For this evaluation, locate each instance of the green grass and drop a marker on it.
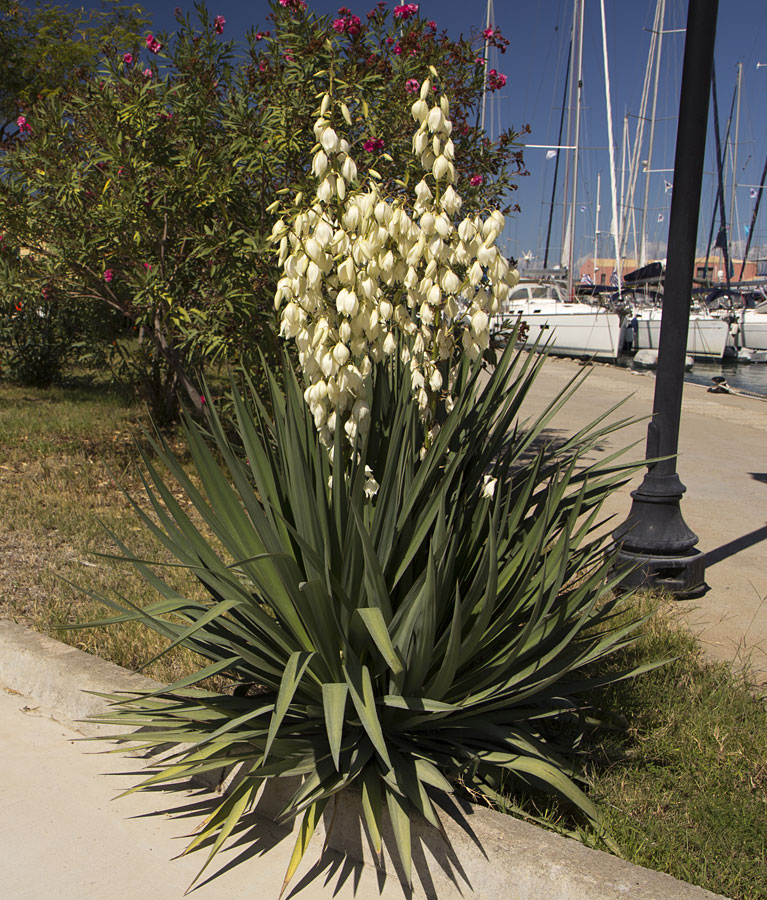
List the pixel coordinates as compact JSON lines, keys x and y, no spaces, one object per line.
{"x":682,"y":775}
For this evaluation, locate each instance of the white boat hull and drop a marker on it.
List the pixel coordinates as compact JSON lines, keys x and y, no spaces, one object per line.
{"x":706,"y":338}
{"x":597,"y":335}
{"x":753,"y":330}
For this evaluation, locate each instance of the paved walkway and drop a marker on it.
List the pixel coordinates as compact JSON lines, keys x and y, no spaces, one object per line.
{"x":723,"y":464}
{"x":64,"y":836}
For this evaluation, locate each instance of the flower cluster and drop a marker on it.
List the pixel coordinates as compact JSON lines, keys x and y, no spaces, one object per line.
{"x":128,"y":59}
{"x":293,"y":4}
{"x":495,"y":80}
{"x":412,"y":85}
{"x":347,"y":23}
{"x":405,"y":11}
{"x":365,"y":277}
{"x":23,"y":125}
{"x":371,"y":145}
{"x":218,"y":24}
{"x":152,"y":44}
{"x":494,"y":38}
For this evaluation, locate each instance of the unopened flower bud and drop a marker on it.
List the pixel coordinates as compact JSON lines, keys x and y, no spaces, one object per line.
{"x":329,"y":140}
{"x":435,"y":119}
{"x":419,"y":110}
{"x":341,"y":353}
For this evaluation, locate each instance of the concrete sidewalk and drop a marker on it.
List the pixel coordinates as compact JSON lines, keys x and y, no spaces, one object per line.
{"x":723,"y":464}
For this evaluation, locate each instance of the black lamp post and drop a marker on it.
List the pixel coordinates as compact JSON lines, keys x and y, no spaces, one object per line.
{"x":655,"y":540}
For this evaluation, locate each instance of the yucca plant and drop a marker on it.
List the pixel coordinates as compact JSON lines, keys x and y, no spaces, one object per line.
{"x":405,"y":641}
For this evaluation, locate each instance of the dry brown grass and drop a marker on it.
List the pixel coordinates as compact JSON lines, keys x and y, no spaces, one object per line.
{"x":66,"y":457}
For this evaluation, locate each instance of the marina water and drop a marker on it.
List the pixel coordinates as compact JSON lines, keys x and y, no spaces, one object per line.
{"x":747,"y":377}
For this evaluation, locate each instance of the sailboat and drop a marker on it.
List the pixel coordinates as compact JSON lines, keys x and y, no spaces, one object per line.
{"x":550,"y":315}
{"x":707,"y":335}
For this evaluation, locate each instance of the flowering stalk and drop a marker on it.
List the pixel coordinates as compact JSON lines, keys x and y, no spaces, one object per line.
{"x":366,"y":276}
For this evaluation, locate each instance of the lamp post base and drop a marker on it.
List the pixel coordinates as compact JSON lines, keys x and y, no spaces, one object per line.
{"x":683,"y":575}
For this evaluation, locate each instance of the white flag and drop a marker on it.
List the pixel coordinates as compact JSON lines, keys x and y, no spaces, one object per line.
{"x":667,"y":185}
{"x":660,"y":217}
{"x":752,"y":193}
{"x":550,"y":154}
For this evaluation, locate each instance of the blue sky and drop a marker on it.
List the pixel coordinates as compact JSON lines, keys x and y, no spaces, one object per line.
{"x":535,"y":64}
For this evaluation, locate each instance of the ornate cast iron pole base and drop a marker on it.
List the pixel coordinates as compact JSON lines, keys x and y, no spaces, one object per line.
{"x":657,"y":546}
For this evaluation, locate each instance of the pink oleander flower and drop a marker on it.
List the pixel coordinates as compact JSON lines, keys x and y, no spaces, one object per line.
{"x":218,"y":24}
{"x":202,"y":398}
{"x":260,"y":35}
{"x":353,"y":25}
{"x":339,"y":25}
{"x":389,"y":40}
{"x":108,"y":275}
{"x":432,"y":24}
{"x":476,"y":180}
{"x":288,"y":57}
{"x":152,"y":44}
{"x":373,"y":144}
{"x":397,"y":49}
{"x":128,"y":59}
{"x":293,"y":4}
{"x":495,"y":80}
{"x":488,"y":33}
{"x":24,"y":126}
{"x":479,"y":61}
{"x":147,"y":73}
{"x":262,"y":66}
{"x":412,"y":85}
{"x":148,"y":267}
{"x":405,"y":11}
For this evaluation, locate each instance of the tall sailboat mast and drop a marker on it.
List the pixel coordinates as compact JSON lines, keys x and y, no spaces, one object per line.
{"x":489,"y":18}
{"x":596,"y":230}
{"x":648,"y":169}
{"x":629,"y":209}
{"x":734,"y":222}
{"x":559,"y":147}
{"x":578,"y":99}
{"x":566,"y":207}
{"x":611,"y":146}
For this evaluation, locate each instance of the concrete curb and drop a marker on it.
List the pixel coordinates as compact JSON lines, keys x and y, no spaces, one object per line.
{"x":488,"y":854}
